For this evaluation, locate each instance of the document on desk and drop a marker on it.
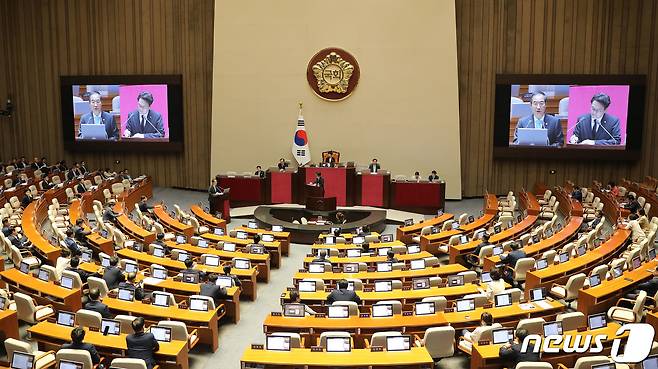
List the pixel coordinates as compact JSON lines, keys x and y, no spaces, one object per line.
{"x":152,"y":281}
{"x":543,"y":304}
{"x":527,"y":306}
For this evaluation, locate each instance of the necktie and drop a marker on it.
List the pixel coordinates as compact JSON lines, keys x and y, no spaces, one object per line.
{"x":143,"y":124}
{"x":596,"y":128}
{"x":538,"y":123}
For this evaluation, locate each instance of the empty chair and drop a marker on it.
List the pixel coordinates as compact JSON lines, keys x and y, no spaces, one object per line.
{"x":379,"y":338}
{"x":319,"y":283}
{"x":439,"y":342}
{"x":125,"y":323}
{"x":198,"y":228}
{"x":42,"y":359}
{"x":532,"y":325}
{"x":353,"y":307}
{"x":572,"y":321}
{"x":128,"y":363}
{"x":324,"y":335}
{"x":479,"y":299}
{"x":79,"y":356}
{"x":211,"y":302}
{"x":469,"y":276}
{"x":28,"y":311}
{"x":88,"y":318}
{"x":440,"y":302}
{"x":569,"y":292}
{"x":625,"y":314}
{"x":357,"y":283}
{"x":179,"y":332}
{"x":423,"y":232}
{"x":463,"y":219}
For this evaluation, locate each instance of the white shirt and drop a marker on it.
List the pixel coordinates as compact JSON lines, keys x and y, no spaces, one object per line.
{"x":495,"y":287}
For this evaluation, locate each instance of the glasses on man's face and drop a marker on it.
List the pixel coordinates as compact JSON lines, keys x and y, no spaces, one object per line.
{"x":538,"y":103}
{"x":95,"y":102}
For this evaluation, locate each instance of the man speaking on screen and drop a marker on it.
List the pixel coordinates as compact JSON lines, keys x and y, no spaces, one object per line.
{"x":98,"y":116}
{"x":539,"y":120}
{"x":144,"y":122}
{"x":598,"y":127}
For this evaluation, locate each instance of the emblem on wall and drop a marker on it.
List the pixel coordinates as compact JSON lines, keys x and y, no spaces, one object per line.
{"x":333,"y":74}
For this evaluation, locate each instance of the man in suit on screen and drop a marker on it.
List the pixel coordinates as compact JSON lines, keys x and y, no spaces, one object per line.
{"x":98,"y":116}
{"x":144,"y":122}
{"x":598,"y":127}
{"x":540,"y":120}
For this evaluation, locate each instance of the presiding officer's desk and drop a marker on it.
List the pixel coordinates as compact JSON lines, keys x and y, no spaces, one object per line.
{"x":370,"y":260}
{"x":45,"y":293}
{"x":370,"y":277}
{"x":600,"y":298}
{"x":281,"y":237}
{"x":487,"y":356}
{"x":417,"y":357}
{"x":406,"y":233}
{"x":273,"y":248}
{"x":51,"y":336}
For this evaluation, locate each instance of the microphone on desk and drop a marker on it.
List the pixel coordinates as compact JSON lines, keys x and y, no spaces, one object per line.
{"x":149,"y":122}
{"x":129,"y":116}
{"x":608,"y":132}
{"x":574,"y":127}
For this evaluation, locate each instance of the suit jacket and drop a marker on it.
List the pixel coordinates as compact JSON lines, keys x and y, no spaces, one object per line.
{"x":319,"y":181}
{"x":109,"y":215}
{"x":72,"y":245}
{"x":343,"y":295}
{"x":46,"y":185}
{"x":144,"y":207}
{"x":111,"y":276}
{"x":142,"y":346}
{"x":555,"y":135}
{"x":433,"y":178}
{"x":281,"y":166}
{"x":212,"y":290}
{"x":513,"y":355}
{"x":138,"y":291}
{"x":107,"y":119}
{"x":513,"y":257}
{"x":152,"y":130}
{"x":608,"y":133}
{"x":95,"y":358}
{"x":81,"y":188}
{"x":650,"y":286}
{"x":99,"y":307}
{"x":80,"y":233}
{"x":374,"y":167}
{"x":260,"y":173}
{"x":27,"y":199}
{"x":7,"y":231}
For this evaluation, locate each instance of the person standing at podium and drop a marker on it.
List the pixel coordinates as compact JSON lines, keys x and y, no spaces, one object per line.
{"x":374,"y":166}
{"x":214,"y":189}
{"x":319,"y":181}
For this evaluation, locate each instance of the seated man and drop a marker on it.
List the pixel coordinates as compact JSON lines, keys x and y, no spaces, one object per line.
{"x":77,"y":343}
{"x":6,"y":228}
{"x":511,"y":353}
{"x":433,"y":177}
{"x":476,"y":251}
{"x":189,"y":267}
{"x":236,"y":280}
{"x":342,"y":294}
{"x":374,"y":166}
{"x":71,"y":244}
{"x":282,"y":164}
{"x":260,"y":173}
{"x":96,"y":305}
{"x":510,"y":260}
{"x":74,"y":267}
{"x":142,"y":345}
{"x":110,"y":215}
{"x":130,"y":284}
{"x":390,"y":257}
{"x":112,"y":274}
{"x":80,"y":232}
{"x":322,"y":257}
{"x":210,"y":288}
{"x":144,"y":207}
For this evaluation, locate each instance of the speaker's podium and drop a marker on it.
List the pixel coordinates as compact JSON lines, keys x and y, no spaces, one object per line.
{"x":315,"y":200}
{"x":220,"y":203}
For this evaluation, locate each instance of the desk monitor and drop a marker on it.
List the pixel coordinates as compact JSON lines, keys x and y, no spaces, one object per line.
{"x":353,"y":253}
{"x":497,"y":228}
{"x":497,"y":250}
{"x":252,"y":225}
{"x":398,"y":343}
{"x":486,"y":277}
{"x":384,"y":267}
{"x":413,"y":249}
{"x":350,"y":285}
{"x":242,"y":263}
{"x":465,"y":305}
{"x":306,"y":286}
{"x":383,"y":286}
{"x":224,"y":281}
{"x":316,"y":268}
{"x":202,"y":243}
{"x":3,"y":303}
{"x":650,"y":362}
{"x":502,"y":335}
{"x":582,"y":249}
{"x":198,"y":304}
{"x":22,"y":360}
{"x":382,"y":310}
{"x":24,"y":267}
{"x":455,"y":280}
{"x":434,"y":230}
{"x":358,"y":240}
{"x":652,"y":254}
{"x":334,"y":230}
{"x":387,"y":237}
{"x":338,"y":311}
{"x":69,"y":364}
{"x":182,"y":256}
{"x":535,"y":239}
{"x":229,"y":246}
{"x":463,"y":239}
{"x":131,"y":267}
{"x":408,"y":222}
{"x":503,"y":299}
{"x":383,"y":251}
{"x":66,"y":282}
{"x":277,"y":228}
{"x":277,"y":343}
{"x":424,"y":308}
{"x":558,"y":226}
{"x":66,"y":318}
{"x":86,"y":256}
{"x":339,"y":344}
{"x":212,"y":260}
{"x":294,"y":310}
{"x":159,"y":273}
{"x":43,"y":275}
{"x":267,"y":238}
{"x":180,"y":239}
{"x":218,"y":231}
{"x":552,"y":329}
{"x":110,"y":326}
{"x":160,"y":299}
{"x":455,"y":225}
{"x":158,"y":251}
{"x":604,"y":366}
{"x":617,"y":271}
{"x":162,"y":334}
{"x":549,"y":233}
{"x":594,"y":280}
{"x":421,"y":283}
{"x":350,"y":268}
{"x":417,"y":264}
{"x":256,"y":249}
{"x":537,"y":294}
{"x":541,"y":264}
{"x":126,"y":294}
{"x":636,"y":262}
{"x":330,"y":240}
{"x":564,"y":257}
{"x":240,"y":235}
{"x":189,"y":277}
{"x":91,"y":132}
{"x":596,"y":321}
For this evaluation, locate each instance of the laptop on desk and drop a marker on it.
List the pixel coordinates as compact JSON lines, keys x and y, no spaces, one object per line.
{"x":532,"y":137}
{"x":93,"y":132}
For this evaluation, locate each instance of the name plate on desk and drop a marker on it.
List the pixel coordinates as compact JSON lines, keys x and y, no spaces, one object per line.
{"x":448,"y":310}
{"x":276,"y":313}
{"x":483,"y":343}
{"x":320,"y":315}
{"x":364,"y":315}
{"x":406,"y":288}
{"x":407,"y":313}
{"x":582,"y":329}
{"x":316,"y":349}
{"x":376,"y":349}
{"x":255,"y":346}
{"x":288,"y":289}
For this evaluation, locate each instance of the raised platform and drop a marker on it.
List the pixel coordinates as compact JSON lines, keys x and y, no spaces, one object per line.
{"x":267,"y":216}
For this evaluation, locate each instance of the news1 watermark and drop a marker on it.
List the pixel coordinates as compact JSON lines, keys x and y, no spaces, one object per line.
{"x":638,"y":343}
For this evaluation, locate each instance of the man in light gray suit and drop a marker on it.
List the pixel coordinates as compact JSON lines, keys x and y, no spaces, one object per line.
{"x":98,"y":116}
{"x":539,"y":119}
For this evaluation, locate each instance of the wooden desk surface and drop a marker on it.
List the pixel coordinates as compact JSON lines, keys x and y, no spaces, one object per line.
{"x":347,"y":246}
{"x":34,"y":283}
{"x":9,"y":324}
{"x":29,"y":224}
{"x":207,"y":218}
{"x":282,"y":235}
{"x":348,"y":236}
{"x":406,"y":233}
{"x":139,"y":308}
{"x":417,"y":356}
{"x":105,"y":245}
{"x":371,"y":259}
{"x":404,"y":275}
{"x":228,"y":255}
{"x":130,"y":227}
{"x":170,"y":222}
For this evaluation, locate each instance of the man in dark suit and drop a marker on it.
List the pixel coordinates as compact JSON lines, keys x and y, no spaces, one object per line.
{"x":6,"y":228}
{"x":282,"y":164}
{"x":374,"y":166}
{"x":27,"y":199}
{"x":110,"y":215}
{"x":144,"y":207}
{"x":22,"y":164}
{"x":96,"y":305}
{"x":598,"y":217}
{"x":189,"y":268}
{"x":510,"y":260}
{"x":214,"y":189}
{"x":227,"y":272}
{"x":433,"y":177}
{"x":46,"y":184}
{"x":83,"y":166}
{"x":98,"y":116}
{"x":511,"y":353}
{"x":539,"y":120}
{"x":79,"y":232}
{"x":319,"y":181}
{"x":144,"y":122}
{"x":330,"y":160}
{"x":142,"y":345}
{"x":17,"y":240}
{"x":80,"y":188}
{"x":77,"y":343}
{"x":485,"y":242}
{"x":130,"y":284}
{"x":322,"y":257}
{"x":598,"y":127}
{"x":259,"y":172}
{"x":73,"y":266}
{"x":70,"y":242}
{"x":112,"y":274}
{"x":650,"y":287}
{"x":210,"y":288}
{"x":342,"y":294}
{"x":632,"y":204}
